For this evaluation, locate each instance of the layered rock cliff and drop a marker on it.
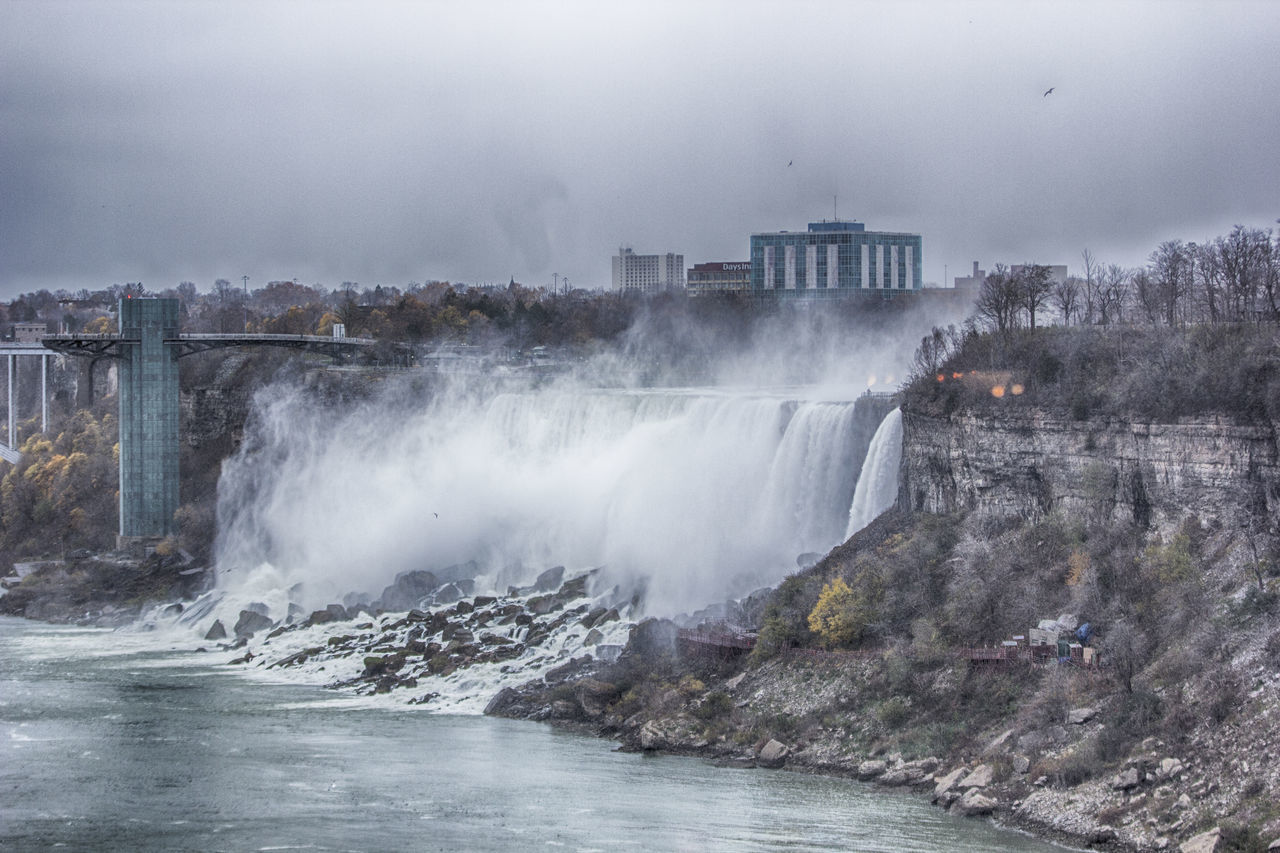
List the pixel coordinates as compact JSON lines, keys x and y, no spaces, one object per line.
{"x":1028,"y":462}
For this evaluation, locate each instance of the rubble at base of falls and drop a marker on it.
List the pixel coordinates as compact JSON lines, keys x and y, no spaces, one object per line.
{"x":426,"y":651}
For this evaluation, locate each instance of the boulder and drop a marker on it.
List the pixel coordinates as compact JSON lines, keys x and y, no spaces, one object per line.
{"x":1031,"y":741}
{"x":652,"y":638}
{"x":950,"y":781}
{"x":1126,"y":780}
{"x":909,"y":772}
{"x":998,"y":744}
{"x":732,"y":683}
{"x":594,"y":696}
{"x":217,"y":631}
{"x":972,"y":803}
{"x":408,"y":590}
{"x":506,"y":699}
{"x":320,"y":617}
{"x":1205,"y":842}
{"x":338,"y":611}
{"x":773,"y":754}
{"x":249,"y":623}
{"x":905,"y":775}
{"x":549,"y":580}
{"x":448,"y":594}
{"x":1080,"y":716}
{"x":872,"y":768}
{"x":541,"y":605}
{"x":593,"y":616}
{"x":563,"y":709}
{"x":651,"y":736}
{"x":593,"y":637}
{"x":1170,"y":768}
{"x":980,"y":777}
{"x":1021,"y":764}
{"x":174,"y":609}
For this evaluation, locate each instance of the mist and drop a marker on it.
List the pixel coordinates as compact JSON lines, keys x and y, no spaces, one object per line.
{"x":683,"y":494}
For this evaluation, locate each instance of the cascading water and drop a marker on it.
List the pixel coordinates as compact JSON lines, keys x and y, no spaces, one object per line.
{"x":878,"y":484}
{"x":695,"y":495}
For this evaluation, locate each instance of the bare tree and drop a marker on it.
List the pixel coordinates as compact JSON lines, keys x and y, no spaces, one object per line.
{"x":1034,"y":286}
{"x":1167,"y":283}
{"x":1091,"y":294}
{"x":1113,"y":293}
{"x":934,"y":350}
{"x":1066,"y":298}
{"x":999,"y":301}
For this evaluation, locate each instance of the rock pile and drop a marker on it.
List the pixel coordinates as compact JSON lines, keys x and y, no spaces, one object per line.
{"x":375,"y":652}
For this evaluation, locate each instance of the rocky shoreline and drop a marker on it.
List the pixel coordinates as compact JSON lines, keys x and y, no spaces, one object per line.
{"x":583,"y":665}
{"x":1155,"y":799}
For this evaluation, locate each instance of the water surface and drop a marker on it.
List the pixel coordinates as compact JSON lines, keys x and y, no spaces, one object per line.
{"x":111,"y":743}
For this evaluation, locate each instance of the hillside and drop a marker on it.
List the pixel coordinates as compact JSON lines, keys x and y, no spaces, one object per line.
{"x":1153,"y":523}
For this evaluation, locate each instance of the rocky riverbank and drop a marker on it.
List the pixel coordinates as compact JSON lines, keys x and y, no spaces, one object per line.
{"x":1167,"y":747}
{"x":810,"y":714}
{"x":102,"y":590}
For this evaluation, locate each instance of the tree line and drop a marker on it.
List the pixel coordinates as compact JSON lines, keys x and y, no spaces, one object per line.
{"x":1233,"y":278}
{"x":438,"y":311}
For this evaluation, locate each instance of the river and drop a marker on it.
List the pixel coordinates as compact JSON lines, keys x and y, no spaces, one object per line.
{"x":120,"y":741}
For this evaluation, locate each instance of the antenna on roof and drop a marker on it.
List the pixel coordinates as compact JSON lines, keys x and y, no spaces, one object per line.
{"x":835,"y":214}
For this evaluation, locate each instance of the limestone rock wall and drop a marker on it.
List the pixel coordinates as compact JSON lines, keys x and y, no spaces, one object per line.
{"x":1026,"y":463}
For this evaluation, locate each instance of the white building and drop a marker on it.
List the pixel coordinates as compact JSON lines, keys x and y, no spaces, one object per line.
{"x":634,"y":273}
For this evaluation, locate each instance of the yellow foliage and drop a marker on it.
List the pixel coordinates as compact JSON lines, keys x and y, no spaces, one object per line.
{"x":325,"y":325}
{"x":1077,"y":565}
{"x":832,"y":617}
{"x":99,"y":326}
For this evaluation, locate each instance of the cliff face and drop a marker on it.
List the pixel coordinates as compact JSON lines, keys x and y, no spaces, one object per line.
{"x":1027,"y":463}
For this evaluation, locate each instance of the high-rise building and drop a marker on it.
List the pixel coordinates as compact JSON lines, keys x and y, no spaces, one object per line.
{"x":647,"y":274}
{"x":834,"y":259}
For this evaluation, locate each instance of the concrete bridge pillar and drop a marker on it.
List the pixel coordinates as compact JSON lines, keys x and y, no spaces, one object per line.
{"x":149,"y":448}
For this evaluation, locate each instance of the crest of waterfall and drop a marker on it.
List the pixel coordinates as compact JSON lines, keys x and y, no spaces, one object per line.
{"x":695,"y":494}
{"x":878,"y":484}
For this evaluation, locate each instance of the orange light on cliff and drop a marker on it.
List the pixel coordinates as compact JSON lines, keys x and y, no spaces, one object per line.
{"x":1016,"y":390}
{"x":941,"y":378}
{"x":957,"y":375}
{"x":997,"y":391}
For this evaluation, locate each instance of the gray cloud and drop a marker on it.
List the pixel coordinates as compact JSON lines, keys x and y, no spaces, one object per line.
{"x":384,"y":142}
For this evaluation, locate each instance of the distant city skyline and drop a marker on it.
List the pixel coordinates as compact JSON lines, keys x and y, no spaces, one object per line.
{"x":385,"y":143}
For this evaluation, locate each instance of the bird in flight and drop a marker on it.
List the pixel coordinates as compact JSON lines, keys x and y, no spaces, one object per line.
{"x":789,"y":162}
{"x":1049,"y":92}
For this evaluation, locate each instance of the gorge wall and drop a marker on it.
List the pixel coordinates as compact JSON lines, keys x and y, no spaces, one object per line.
{"x":1026,"y":463}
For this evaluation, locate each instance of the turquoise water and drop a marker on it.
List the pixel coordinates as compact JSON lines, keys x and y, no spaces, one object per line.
{"x":110,"y":743}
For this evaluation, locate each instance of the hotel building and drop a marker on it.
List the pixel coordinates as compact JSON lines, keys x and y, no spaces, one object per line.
{"x":834,"y":259}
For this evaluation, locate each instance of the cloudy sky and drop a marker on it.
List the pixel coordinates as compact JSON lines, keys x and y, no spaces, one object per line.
{"x":385,"y":143}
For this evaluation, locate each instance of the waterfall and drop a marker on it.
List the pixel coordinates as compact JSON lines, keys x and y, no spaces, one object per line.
{"x":695,"y":494}
{"x":878,"y":483}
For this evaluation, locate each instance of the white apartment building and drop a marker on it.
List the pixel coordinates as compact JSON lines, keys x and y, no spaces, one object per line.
{"x":647,"y":274}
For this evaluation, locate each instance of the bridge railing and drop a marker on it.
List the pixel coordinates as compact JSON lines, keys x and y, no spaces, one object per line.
{"x":260,"y":336}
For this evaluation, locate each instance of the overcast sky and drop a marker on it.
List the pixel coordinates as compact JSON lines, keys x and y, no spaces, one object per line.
{"x":385,"y":143}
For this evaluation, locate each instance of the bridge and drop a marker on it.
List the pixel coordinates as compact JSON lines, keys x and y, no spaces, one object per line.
{"x":147,"y":350}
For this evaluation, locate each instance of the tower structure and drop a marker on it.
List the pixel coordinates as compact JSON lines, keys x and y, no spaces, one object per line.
{"x":148,"y":418}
